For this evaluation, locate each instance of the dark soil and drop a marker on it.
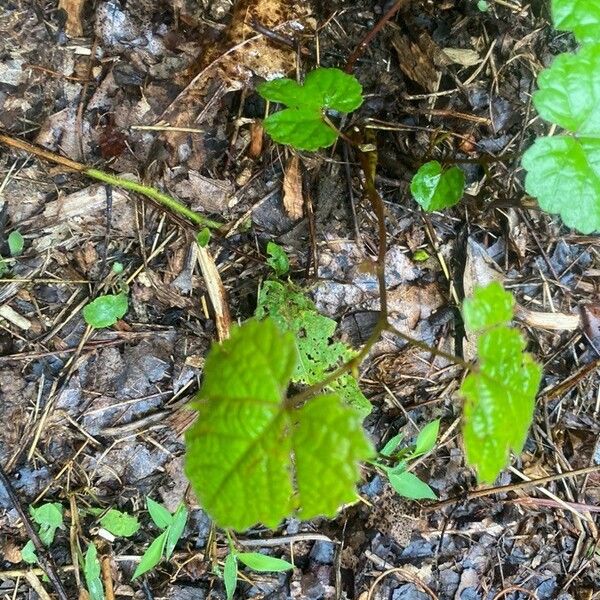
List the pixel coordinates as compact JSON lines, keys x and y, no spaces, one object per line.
{"x":94,"y":419}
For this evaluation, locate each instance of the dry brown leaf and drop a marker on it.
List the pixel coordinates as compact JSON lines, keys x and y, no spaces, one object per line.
{"x":292,"y":189}
{"x":74,"y":10}
{"x":256,"y":139}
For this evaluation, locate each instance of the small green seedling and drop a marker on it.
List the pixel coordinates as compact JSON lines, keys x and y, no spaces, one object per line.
{"x":563,"y":170}
{"x":203,"y":237}
{"x":304,"y":124}
{"x":483,"y":6}
{"x":172,"y":525}
{"x":91,"y":572}
{"x":500,"y":393}
{"x":16,"y":243}
{"x":106,"y":310}
{"x":253,"y":560}
{"x":253,"y":455}
{"x":435,"y":187}
{"x":278,"y":260}
{"x":49,"y":517}
{"x":394,"y":462}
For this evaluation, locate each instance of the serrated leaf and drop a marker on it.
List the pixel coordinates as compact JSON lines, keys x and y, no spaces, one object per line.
{"x":278,"y":259}
{"x":159,"y":514}
{"x":427,"y":438}
{"x":293,"y":311}
{"x":16,"y":243}
{"x":582,"y":17}
{"x":91,"y":572}
{"x":230,"y":575}
{"x":120,"y":523}
{"x":499,"y":401}
{"x":434,"y":187}
{"x":408,"y":485}
{"x":105,"y":311}
{"x":263,"y":563}
{"x":239,"y":451}
{"x":334,"y":89}
{"x":561,"y":169}
{"x":49,"y":517}
{"x":489,"y":306}
{"x":569,"y":91}
{"x":175,"y":530}
{"x":303,"y":128}
{"x":152,"y":556}
{"x":302,"y":124}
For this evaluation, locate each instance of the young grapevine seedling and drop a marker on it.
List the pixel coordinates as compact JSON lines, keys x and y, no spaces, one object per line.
{"x":563,"y":171}
{"x":304,"y":124}
{"x":435,"y":187}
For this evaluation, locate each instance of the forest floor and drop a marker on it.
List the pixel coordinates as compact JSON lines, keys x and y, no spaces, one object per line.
{"x":94,"y":418}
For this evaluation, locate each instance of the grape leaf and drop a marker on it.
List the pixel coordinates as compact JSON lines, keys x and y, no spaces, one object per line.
{"x":567,"y":167}
{"x":582,"y":17}
{"x":490,"y":305}
{"x":500,"y":393}
{"x":250,"y":453}
{"x":302,"y":124}
{"x":302,"y":128}
{"x":105,"y":311}
{"x":434,"y":187}
{"x":293,"y":311}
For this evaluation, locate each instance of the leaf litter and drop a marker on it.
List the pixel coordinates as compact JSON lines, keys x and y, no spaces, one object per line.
{"x":108,"y":411}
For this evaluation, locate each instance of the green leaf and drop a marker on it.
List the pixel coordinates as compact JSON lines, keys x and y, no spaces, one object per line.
{"x":391,"y":445}
{"x":560,"y":169}
{"x":49,"y":517}
{"x":230,"y":575}
{"x":264,"y":564}
{"x":176,"y":530}
{"x":278,"y":260}
{"x":334,"y":89}
{"x":239,"y":451}
{"x":582,"y":17}
{"x":410,"y":486}
{"x":490,"y":305}
{"x":293,"y":311}
{"x":567,"y":167}
{"x":434,"y":187}
{"x":569,"y":91}
{"x":105,"y":311}
{"x":427,"y":438}
{"x":91,"y":572}
{"x":28,"y":553}
{"x":500,"y":399}
{"x":302,"y":128}
{"x":302,"y":124}
{"x":159,"y":514}
{"x":16,"y":243}
{"x":203,"y":237}
{"x":120,"y":523}
{"x":152,"y":556}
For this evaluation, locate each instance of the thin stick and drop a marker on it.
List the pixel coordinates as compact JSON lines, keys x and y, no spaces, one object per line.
{"x":165,"y":200}
{"x":364,"y":43}
{"x":512,"y":487}
{"x":43,"y":555}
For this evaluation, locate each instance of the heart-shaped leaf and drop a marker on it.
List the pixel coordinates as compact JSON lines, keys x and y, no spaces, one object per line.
{"x":434,"y":187}
{"x":582,"y":17}
{"x":253,"y":457}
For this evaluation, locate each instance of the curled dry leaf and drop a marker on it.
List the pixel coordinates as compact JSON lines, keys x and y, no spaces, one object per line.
{"x":292,"y":189}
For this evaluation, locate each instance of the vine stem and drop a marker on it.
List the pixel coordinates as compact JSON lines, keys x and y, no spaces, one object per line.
{"x":168,"y":202}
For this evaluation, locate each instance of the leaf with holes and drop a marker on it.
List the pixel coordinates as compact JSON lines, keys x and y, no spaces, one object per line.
{"x":252,"y":457}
